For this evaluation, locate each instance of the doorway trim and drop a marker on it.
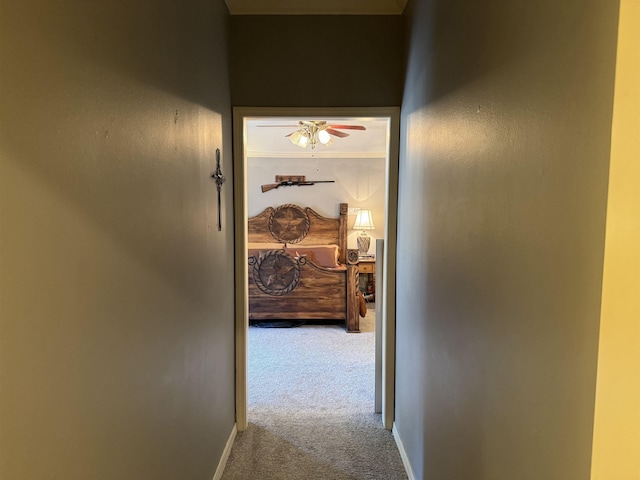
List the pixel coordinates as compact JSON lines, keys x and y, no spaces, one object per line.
{"x":390,"y":233}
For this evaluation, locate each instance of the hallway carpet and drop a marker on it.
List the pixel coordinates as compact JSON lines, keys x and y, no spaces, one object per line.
{"x":311,"y":394}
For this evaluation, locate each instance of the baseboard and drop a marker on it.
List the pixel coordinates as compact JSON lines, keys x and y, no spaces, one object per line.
{"x":225,"y":454}
{"x":403,"y":453}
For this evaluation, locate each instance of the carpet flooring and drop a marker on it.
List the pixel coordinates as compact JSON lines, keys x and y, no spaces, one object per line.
{"x":311,"y":408}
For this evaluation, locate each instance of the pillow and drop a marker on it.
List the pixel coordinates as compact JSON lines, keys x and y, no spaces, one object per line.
{"x":257,"y":249}
{"x":299,"y":252}
{"x":264,"y":246}
{"x":322,"y":255}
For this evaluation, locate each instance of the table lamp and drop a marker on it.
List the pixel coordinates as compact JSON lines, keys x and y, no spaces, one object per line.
{"x":364,"y":221}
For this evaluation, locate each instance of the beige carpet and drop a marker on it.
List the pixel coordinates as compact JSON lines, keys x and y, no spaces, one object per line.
{"x":311,"y":408}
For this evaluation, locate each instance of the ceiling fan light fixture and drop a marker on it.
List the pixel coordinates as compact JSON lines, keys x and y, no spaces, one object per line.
{"x":299,"y":138}
{"x":324,"y":137}
{"x":314,"y":132}
{"x":295,"y":137}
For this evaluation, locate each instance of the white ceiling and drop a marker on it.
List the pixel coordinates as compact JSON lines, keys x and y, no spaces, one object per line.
{"x":317,"y":7}
{"x":266,"y":137}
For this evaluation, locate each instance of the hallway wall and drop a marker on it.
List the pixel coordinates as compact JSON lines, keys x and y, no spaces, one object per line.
{"x":506,"y":123}
{"x":316,"y":61}
{"x":616,"y":436}
{"x":116,"y":293}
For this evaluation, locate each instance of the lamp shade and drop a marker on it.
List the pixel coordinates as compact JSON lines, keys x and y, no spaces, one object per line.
{"x":364,"y":220}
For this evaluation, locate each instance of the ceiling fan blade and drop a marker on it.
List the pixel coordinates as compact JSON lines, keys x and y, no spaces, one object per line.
{"x":348,"y":127}
{"x":336,"y":132}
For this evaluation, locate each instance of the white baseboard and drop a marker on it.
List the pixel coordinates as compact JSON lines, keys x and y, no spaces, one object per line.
{"x":225,"y":454}
{"x":403,"y":453}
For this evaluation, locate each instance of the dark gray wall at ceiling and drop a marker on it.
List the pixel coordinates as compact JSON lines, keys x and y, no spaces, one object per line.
{"x":334,"y":61}
{"x":116,"y":291}
{"x":505,"y":142}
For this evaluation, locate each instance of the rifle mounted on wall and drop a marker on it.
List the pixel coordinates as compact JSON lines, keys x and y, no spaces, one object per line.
{"x":291,"y":181}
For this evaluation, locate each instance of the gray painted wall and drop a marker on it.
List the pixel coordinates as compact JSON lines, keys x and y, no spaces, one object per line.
{"x":505,"y":142}
{"x":116,"y":300}
{"x":316,"y":61}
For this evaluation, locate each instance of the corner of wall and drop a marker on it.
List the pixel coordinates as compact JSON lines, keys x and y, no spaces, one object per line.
{"x":616,"y":434}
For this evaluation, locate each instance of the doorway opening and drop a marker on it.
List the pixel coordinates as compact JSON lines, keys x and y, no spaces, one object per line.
{"x":273,"y":125}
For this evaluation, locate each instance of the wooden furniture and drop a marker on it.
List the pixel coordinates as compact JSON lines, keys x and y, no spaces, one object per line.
{"x":300,"y":268}
{"x":367,"y":270}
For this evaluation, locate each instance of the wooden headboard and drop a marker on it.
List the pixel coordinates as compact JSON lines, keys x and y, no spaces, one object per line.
{"x":292,"y":224}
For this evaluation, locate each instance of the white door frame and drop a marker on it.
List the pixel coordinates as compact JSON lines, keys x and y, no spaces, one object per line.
{"x":390,"y":232}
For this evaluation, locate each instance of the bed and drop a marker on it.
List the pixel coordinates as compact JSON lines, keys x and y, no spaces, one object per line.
{"x":300,"y":267}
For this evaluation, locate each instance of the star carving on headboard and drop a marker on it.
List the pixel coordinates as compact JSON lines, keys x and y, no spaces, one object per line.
{"x":289,"y":224}
{"x":276,"y":272}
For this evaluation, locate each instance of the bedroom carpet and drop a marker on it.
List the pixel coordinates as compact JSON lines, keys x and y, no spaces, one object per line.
{"x":311,"y":394}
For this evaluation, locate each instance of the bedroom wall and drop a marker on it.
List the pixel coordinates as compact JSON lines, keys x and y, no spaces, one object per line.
{"x":505,"y":142}
{"x":358,"y":181}
{"x":116,"y":309}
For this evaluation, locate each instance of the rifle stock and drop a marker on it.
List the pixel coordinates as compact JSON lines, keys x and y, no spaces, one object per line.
{"x":269,"y":186}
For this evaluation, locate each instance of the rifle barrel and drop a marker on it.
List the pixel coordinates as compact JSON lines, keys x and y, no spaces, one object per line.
{"x":289,"y":183}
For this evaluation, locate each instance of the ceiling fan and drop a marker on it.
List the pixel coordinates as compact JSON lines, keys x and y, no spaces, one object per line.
{"x":312,"y":132}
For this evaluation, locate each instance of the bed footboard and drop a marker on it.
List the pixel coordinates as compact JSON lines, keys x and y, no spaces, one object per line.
{"x":282,"y":287}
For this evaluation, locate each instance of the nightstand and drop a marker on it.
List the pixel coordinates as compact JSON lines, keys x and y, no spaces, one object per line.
{"x":367,"y":270}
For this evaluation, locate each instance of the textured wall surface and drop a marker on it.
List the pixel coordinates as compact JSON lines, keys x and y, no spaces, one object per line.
{"x":506,"y":123}
{"x":116,"y":294}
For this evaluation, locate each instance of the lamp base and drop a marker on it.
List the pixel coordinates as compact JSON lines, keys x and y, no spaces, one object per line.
{"x":364,"y":241}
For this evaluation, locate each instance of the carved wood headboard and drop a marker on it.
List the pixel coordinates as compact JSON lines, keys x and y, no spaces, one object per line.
{"x":293,"y":224}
